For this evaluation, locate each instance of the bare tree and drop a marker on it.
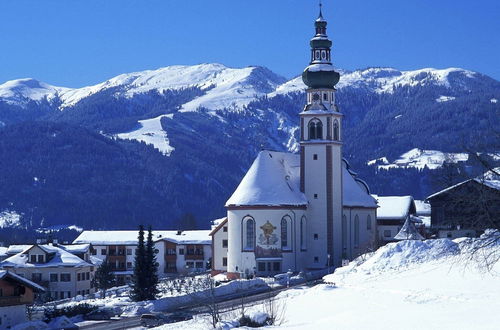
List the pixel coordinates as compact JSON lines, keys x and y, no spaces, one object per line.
{"x":275,"y":309}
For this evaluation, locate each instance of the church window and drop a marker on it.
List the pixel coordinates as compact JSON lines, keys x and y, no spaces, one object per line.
{"x":356,"y":231}
{"x":316,"y":259}
{"x":224,"y":229}
{"x":303,"y":243}
{"x":224,"y":243}
{"x":315,"y":129}
{"x":325,"y":96}
{"x":323,"y":54}
{"x":368,"y":222}
{"x":315,"y":157}
{"x":224,"y":261}
{"x":316,"y":55}
{"x":315,"y":196}
{"x":286,"y":228}
{"x":316,"y":237}
{"x":336,"y":130}
{"x":249,"y":233}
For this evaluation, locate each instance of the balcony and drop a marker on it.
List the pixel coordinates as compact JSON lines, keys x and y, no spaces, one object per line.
{"x":10,"y":301}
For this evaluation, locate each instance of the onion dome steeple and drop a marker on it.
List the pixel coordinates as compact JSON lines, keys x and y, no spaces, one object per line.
{"x":320,"y":72}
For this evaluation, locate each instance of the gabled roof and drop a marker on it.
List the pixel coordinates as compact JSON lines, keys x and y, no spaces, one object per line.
{"x":5,"y":274}
{"x":493,"y":184}
{"x":395,"y":207}
{"x":60,"y":258}
{"x":274,"y":180}
{"x":218,"y":224}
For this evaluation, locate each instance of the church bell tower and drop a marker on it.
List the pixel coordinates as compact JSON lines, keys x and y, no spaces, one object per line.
{"x":321,"y":154}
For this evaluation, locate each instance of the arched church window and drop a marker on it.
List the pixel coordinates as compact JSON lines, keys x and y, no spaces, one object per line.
{"x":315,"y":129}
{"x":286,"y":233}
{"x":303,"y":233}
{"x":356,"y":231}
{"x":336,"y":130}
{"x":248,"y":233}
{"x":368,"y":222}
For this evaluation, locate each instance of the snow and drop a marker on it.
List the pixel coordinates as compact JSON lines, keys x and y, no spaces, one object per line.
{"x":443,"y":98}
{"x":61,"y":258}
{"x":273,"y":179}
{"x":151,"y":132}
{"x":56,"y":228}
{"x":6,"y":273}
{"x":493,"y":100}
{"x":21,"y":91}
{"x":10,"y":219}
{"x":129,"y":237}
{"x":418,"y":158}
{"x":320,"y":67}
{"x":394,"y":207}
{"x":382,"y":160}
{"x":422,"y":207}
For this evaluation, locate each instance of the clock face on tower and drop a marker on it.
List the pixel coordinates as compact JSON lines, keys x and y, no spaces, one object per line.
{"x":316,"y":97}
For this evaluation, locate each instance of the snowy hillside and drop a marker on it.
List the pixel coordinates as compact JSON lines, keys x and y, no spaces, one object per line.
{"x":417,"y":158}
{"x":406,"y":285}
{"x":21,"y":91}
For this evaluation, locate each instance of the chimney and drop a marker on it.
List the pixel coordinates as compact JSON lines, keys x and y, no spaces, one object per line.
{"x":179,"y":232}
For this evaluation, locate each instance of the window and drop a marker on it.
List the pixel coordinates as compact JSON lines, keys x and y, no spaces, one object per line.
{"x":316,"y":237}
{"x":78,"y":277}
{"x":261,"y":266}
{"x":336,"y":135}
{"x":316,"y":259}
{"x":33,"y":259}
{"x":249,"y":233}
{"x":224,"y":229}
{"x":315,"y":129}
{"x":36,"y":277}
{"x":356,"y":231}
{"x":189,"y":264}
{"x":224,"y":261}
{"x":286,"y":233}
{"x":170,"y":251}
{"x":69,"y":294}
{"x":199,"y":264}
{"x":65,"y":277}
{"x":112,"y":252}
{"x":129,"y":252}
{"x":368,"y":222}
{"x":224,"y":243}
{"x":40,"y":258}
{"x":87,"y":276}
{"x":277,"y":266}
{"x":387,"y":233}
{"x":303,"y":243}
{"x":325,"y":95}
{"x":103,"y":252}
{"x":129,"y":264}
{"x":181,"y":251}
{"x":315,"y":196}
{"x":315,"y":157}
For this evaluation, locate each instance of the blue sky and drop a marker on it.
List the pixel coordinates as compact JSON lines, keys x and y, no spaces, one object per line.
{"x":75,"y":43}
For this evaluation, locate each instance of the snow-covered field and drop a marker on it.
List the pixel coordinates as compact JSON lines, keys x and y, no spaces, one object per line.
{"x":418,"y":158}
{"x":405,"y":285}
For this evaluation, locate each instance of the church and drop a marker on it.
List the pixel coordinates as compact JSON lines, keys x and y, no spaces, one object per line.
{"x":305,"y":211}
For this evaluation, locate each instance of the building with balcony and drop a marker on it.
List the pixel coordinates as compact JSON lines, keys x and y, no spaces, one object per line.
{"x":62,"y":273}
{"x":15,"y":293}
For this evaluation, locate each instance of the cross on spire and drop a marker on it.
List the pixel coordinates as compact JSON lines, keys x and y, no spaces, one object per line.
{"x":320,"y":7}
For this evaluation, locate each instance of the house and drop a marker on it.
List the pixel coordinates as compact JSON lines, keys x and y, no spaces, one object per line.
{"x":176,"y":251}
{"x":467,"y":208}
{"x":392,"y":213}
{"x":15,"y":293}
{"x":305,"y":211}
{"x":64,"y":274}
{"x":219,"y":245}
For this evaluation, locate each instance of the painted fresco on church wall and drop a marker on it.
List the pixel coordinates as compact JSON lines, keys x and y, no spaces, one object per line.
{"x":267,"y":245}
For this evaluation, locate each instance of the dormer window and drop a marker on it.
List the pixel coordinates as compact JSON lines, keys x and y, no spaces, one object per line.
{"x":33,"y":258}
{"x":40,"y":258}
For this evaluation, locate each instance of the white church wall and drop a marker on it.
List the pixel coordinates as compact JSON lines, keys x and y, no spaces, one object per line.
{"x":267,"y":247}
{"x":367,"y":236}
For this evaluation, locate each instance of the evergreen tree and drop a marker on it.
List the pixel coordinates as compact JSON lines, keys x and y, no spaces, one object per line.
{"x":104,"y":278}
{"x":151,"y":267}
{"x":139,"y":280}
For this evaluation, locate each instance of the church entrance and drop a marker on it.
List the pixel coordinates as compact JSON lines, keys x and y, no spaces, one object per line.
{"x":268,"y":267}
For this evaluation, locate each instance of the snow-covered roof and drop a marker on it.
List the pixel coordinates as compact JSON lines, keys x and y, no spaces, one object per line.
{"x":76,"y":248}
{"x":395,"y":207}
{"x":493,"y":184}
{"x":422,"y":207}
{"x":408,"y":231}
{"x":272,"y":180}
{"x":6,"y":274}
{"x":217,"y":224}
{"x":3,"y":251}
{"x":15,"y":249}
{"x":130,"y":237}
{"x":61,"y":258}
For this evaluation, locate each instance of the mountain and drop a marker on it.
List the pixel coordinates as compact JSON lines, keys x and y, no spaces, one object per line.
{"x":150,"y":146}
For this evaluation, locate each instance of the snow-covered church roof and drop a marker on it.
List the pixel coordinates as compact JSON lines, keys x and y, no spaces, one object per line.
{"x":274,"y":180}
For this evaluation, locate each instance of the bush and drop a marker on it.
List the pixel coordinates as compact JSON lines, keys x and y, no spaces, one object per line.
{"x":69,"y":311}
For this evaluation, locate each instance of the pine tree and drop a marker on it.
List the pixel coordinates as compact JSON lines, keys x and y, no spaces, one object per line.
{"x":139,"y":280}
{"x":152,"y":268}
{"x":104,"y":278}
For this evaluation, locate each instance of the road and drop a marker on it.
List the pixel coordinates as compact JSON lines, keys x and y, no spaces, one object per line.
{"x":224,"y":303}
